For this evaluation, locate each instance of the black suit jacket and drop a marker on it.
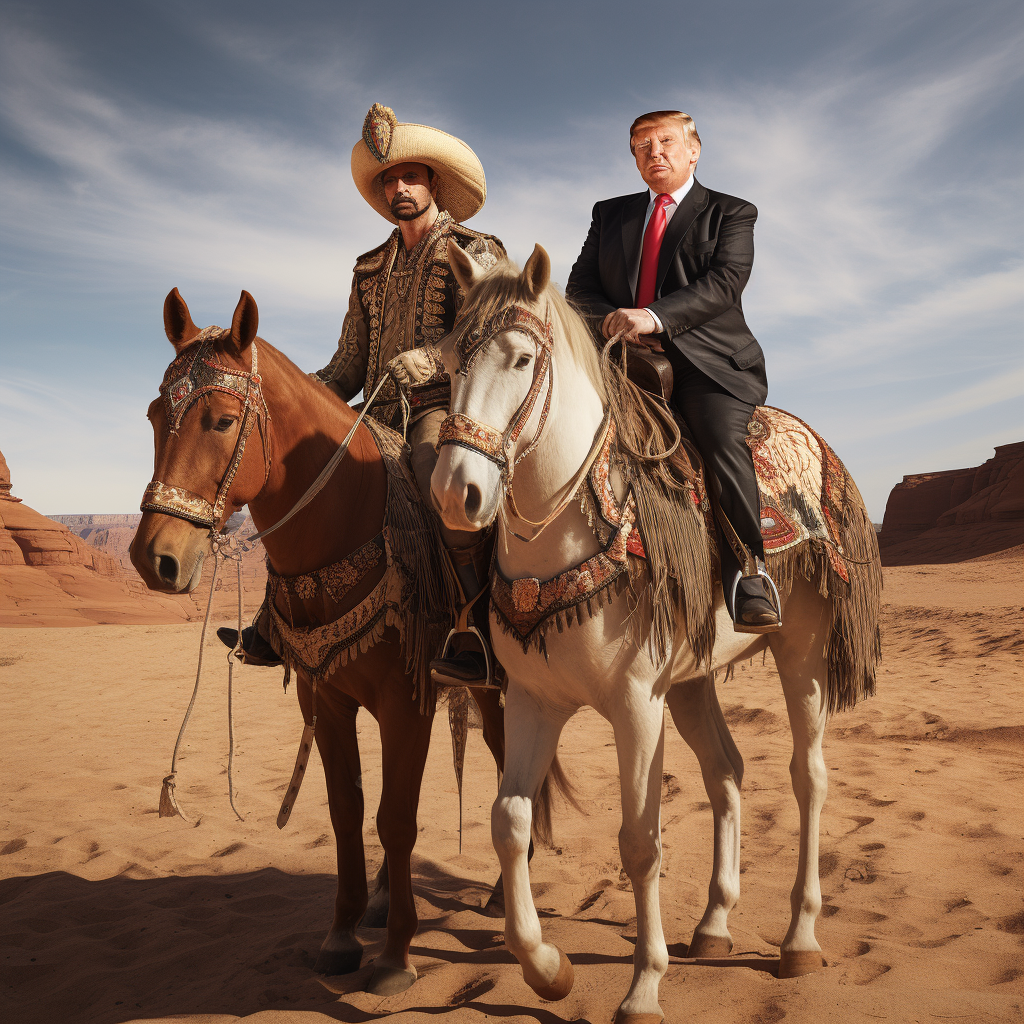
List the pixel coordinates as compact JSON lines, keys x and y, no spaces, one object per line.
{"x":705,"y":261}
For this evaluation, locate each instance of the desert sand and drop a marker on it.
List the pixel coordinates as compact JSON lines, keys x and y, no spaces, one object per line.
{"x":112,"y":914}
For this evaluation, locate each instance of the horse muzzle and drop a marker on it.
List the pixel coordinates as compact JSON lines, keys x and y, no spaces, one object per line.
{"x":465,"y":491}
{"x":168,"y":553}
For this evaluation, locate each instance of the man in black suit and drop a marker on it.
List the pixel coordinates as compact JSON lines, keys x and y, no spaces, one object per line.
{"x":666,"y":267}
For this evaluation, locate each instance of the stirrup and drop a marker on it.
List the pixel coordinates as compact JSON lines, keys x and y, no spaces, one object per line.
{"x":462,"y":625}
{"x":762,"y":573}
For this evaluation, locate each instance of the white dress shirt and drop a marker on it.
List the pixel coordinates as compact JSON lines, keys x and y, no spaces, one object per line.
{"x":670,"y":209}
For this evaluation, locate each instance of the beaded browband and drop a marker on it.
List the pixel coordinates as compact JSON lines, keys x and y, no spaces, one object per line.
{"x":192,"y":374}
{"x":494,"y":444}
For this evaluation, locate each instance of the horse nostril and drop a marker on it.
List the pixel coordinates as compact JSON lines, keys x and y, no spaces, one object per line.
{"x":167,"y":567}
{"x":473,"y":499}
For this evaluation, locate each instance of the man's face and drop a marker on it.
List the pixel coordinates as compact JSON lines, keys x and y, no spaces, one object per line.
{"x":664,"y":158}
{"x":408,"y":190}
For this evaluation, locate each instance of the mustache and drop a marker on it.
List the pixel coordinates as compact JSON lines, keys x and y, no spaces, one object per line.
{"x":402,"y":199}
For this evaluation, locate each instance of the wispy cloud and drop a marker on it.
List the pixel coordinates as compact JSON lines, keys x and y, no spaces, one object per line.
{"x":887,"y":290}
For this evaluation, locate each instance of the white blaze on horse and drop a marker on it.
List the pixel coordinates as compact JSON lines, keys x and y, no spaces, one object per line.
{"x":544,"y":437}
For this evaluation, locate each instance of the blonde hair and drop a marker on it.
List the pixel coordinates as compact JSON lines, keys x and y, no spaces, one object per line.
{"x":656,"y":116}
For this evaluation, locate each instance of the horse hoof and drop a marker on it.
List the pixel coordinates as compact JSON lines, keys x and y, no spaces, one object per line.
{"x":562,"y":984}
{"x":709,"y":947}
{"x":389,"y":981}
{"x":621,"y":1017}
{"x":376,"y":915}
{"x":338,"y":961}
{"x":794,"y":963}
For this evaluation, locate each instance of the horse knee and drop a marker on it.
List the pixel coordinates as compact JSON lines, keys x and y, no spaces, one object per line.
{"x":396,"y":834}
{"x":511,"y":821}
{"x":641,"y":853}
{"x":809,"y":776}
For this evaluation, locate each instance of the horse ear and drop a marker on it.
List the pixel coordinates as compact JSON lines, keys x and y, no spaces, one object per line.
{"x":178,"y":324}
{"x":245,"y":322}
{"x":537,"y":272}
{"x":466,"y":269}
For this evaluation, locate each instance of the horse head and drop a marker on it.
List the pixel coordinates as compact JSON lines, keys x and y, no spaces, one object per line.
{"x":514,"y":332}
{"x":210,"y":403}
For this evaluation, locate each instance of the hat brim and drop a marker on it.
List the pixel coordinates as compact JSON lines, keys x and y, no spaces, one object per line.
{"x":461,"y":185}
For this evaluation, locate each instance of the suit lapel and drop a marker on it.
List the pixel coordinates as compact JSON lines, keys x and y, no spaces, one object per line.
{"x":633,"y":211}
{"x":693,"y":202}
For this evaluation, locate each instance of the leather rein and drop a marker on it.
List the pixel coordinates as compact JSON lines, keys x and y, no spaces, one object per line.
{"x":498,"y":446}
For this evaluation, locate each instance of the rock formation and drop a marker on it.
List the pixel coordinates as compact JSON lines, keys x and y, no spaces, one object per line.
{"x":49,"y":576}
{"x":956,"y":514}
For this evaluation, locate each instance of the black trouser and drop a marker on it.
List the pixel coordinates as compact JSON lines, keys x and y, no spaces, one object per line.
{"x":718,"y":422}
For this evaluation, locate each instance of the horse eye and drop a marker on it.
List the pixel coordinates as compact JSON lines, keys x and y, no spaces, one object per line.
{"x":522,"y":362}
{"x":224,"y":424}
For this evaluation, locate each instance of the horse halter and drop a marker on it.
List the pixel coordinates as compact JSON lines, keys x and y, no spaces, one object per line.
{"x":192,"y":374}
{"x":497,"y":445}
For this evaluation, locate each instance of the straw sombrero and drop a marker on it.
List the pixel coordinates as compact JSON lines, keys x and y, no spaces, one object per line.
{"x":461,"y":186}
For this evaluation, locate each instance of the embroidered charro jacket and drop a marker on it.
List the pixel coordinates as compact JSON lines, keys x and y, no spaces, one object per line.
{"x":401,"y":300}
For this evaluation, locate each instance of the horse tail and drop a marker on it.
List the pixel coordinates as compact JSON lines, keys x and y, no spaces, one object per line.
{"x":555,"y":779}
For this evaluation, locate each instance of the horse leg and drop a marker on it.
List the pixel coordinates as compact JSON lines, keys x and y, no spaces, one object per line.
{"x":341,"y":952}
{"x":405,"y":737}
{"x":532,"y":739}
{"x":376,"y":915}
{"x":799,"y":651}
{"x":638,"y":722}
{"x":492,"y":715}
{"x":698,"y":718}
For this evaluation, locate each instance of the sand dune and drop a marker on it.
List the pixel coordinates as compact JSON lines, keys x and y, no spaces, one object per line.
{"x":112,"y":914}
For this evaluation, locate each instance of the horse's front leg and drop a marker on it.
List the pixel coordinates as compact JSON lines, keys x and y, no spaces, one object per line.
{"x":531,"y":738}
{"x":638,"y":720}
{"x":341,"y":952}
{"x":405,"y":738}
{"x":698,"y":717}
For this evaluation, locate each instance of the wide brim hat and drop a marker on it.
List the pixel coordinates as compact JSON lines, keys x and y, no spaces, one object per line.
{"x":386,"y":141}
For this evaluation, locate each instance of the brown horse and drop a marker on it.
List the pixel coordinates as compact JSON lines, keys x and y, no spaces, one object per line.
{"x":201,"y":452}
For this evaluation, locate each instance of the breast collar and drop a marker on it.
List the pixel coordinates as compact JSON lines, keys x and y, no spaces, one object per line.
{"x":192,"y":374}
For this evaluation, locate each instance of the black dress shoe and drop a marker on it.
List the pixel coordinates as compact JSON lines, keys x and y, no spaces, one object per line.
{"x":255,"y":650}
{"x":466,"y":668}
{"x":756,"y":610}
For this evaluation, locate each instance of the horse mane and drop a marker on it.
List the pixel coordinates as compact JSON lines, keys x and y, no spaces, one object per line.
{"x":679,"y":542}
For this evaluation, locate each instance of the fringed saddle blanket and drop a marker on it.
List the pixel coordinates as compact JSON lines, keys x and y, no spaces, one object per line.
{"x":805,"y":494}
{"x":415,"y":595}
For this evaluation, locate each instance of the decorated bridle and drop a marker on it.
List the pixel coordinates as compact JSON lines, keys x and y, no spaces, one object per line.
{"x":499,"y":445}
{"x":192,"y":374}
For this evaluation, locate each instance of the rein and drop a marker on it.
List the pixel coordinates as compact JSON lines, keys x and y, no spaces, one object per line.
{"x":180,"y":392}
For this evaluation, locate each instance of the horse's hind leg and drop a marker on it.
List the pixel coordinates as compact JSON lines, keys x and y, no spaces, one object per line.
{"x":698,"y":717}
{"x":639,"y":722}
{"x":405,"y":737}
{"x":341,"y":952}
{"x":799,"y":651}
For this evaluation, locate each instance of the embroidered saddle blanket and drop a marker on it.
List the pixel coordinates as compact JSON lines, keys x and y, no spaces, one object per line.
{"x":803,"y":487}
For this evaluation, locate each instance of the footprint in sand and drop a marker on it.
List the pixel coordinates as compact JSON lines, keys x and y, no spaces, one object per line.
{"x":228,"y":850}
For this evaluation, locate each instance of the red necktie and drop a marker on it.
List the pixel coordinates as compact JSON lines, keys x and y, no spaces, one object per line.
{"x":652,"y":249}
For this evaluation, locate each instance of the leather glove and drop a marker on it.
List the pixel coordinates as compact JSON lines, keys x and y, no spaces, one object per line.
{"x":416,"y":366}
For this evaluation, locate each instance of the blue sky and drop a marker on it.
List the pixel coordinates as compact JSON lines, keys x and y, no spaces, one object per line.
{"x":206,"y":146}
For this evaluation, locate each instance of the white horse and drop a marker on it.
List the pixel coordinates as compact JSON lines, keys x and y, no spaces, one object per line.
{"x":521,"y":340}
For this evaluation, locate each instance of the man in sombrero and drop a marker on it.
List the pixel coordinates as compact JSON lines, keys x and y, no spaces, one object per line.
{"x":404,"y":297}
